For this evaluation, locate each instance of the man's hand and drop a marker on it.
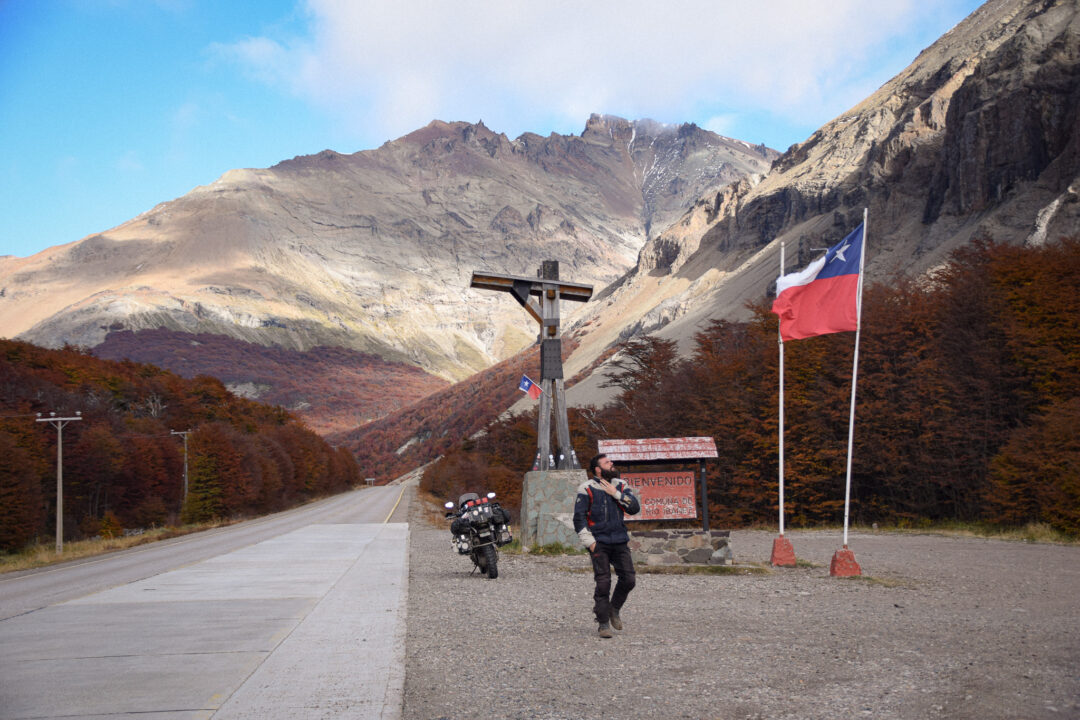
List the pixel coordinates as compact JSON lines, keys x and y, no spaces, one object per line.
{"x":592,"y":547}
{"x":608,"y":487}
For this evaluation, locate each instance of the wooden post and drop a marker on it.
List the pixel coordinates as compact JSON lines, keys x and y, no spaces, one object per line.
{"x":567,"y":457}
{"x":543,"y":426}
{"x":704,"y":498}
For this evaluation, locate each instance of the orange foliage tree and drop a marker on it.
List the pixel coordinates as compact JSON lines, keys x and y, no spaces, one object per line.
{"x":968,"y":399}
{"x":122,"y":462}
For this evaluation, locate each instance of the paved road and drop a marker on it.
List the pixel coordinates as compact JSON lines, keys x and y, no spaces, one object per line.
{"x":297,"y":615}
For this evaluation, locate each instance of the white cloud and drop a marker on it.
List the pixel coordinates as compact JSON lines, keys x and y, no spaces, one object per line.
{"x":263,"y":59}
{"x":390,"y":66}
{"x":721,"y":124}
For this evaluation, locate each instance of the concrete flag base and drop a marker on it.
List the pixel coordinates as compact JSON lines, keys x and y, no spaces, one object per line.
{"x":783,"y":554}
{"x":843,"y":564}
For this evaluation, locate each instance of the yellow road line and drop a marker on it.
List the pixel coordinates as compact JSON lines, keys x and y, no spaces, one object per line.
{"x":400,"y":495}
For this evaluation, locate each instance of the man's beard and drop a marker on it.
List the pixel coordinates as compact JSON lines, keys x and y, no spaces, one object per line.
{"x":609,"y":474}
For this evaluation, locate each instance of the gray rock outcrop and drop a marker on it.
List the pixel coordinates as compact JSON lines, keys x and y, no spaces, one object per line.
{"x":978,"y":137}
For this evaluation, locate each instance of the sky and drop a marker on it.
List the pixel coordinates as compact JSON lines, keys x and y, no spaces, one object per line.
{"x":109,"y":107}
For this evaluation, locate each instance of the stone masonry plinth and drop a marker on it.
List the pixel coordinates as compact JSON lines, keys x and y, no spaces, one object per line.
{"x":547,"y":507}
{"x":677,"y":547}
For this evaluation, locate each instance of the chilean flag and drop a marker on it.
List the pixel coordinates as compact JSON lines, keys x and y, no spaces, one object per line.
{"x":528,"y":386}
{"x":823,"y":297}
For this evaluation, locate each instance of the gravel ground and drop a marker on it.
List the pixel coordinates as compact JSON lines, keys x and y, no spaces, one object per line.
{"x":937,"y":627}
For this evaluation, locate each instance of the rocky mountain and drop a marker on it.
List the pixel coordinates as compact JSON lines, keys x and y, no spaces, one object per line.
{"x":373,"y":251}
{"x":978,"y":137}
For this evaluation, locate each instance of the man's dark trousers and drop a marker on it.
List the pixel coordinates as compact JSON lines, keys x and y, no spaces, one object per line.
{"x":603,"y":557}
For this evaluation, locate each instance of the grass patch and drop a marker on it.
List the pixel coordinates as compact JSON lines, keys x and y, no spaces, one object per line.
{"x":41,"y":555}
{"x":800,"y":563}
{"x":687,"y":570}
{"x":702,"y":570}
{"x":432,"y":509}
{"x":879,"y":582}
{"x":556,"y":549}
{"x":514,"y":547}
{"x":1032,"y":532}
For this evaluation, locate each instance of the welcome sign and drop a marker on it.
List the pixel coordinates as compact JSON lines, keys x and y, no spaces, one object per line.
{"x":663,"y":495}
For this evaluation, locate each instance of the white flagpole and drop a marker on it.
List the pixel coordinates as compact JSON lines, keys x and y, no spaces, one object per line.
{"x":781,"y":340}
{"x":855,"y":372}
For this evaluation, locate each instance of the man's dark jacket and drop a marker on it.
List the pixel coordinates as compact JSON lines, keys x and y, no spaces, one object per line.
{"x":599,"y":517}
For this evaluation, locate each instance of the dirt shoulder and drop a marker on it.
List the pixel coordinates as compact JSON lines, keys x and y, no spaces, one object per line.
{"x":937,"y":627}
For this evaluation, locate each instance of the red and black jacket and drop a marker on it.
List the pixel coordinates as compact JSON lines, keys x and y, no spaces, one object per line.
{"x":599,"y":517}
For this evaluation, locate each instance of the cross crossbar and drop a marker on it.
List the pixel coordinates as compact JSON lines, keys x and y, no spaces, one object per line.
{"x":507,"y":283}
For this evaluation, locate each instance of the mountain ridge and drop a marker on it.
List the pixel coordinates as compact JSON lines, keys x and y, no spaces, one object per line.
{"x":976,"y":138}
{"x":372,"y":251}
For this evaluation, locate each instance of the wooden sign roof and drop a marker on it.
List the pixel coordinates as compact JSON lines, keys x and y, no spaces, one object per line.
{"x":646,"y":449}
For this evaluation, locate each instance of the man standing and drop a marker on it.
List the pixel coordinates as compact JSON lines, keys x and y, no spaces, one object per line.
{"x":598,"y":521}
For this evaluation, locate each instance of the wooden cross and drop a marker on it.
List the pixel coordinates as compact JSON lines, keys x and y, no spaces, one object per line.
{"x":548,"y":288}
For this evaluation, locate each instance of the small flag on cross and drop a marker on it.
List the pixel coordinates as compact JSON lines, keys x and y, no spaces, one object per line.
{"x":528,"y":386}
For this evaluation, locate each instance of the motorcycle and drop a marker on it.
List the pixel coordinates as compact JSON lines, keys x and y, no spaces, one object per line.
{"x":480,"y":526}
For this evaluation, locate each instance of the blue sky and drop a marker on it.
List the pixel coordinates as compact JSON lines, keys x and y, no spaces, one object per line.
{"x":108,"y":107}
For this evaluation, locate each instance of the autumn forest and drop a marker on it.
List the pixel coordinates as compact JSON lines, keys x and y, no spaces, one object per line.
{"x":124,"y":467}
{"x":968,"y":404}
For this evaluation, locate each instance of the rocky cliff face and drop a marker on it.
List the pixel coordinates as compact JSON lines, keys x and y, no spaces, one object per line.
{"x":980,"y":136}
{"x":373,"y":251}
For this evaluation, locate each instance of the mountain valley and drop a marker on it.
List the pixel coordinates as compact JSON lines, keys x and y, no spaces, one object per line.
{"x":673,"y":225}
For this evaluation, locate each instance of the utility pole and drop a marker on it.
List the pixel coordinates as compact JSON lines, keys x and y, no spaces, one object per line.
{"x":183,"y":434}
{"x":59,"y":424}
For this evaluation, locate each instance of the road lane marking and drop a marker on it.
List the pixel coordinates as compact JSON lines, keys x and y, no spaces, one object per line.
{"x":400,"y":495}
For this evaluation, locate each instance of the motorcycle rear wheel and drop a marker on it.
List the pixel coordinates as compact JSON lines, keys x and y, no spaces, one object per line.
{"x":491,"y":557}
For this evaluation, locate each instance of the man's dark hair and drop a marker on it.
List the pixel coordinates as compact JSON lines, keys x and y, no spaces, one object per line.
{"x":595,"y":463}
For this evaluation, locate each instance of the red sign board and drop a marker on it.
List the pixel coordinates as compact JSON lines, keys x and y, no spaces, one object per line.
{"x":663,"y":495}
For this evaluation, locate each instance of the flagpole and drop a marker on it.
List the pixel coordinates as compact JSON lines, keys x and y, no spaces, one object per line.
{"x":855,"y":372}
{"x":781,"y":340}
{"x":783,"y":554}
